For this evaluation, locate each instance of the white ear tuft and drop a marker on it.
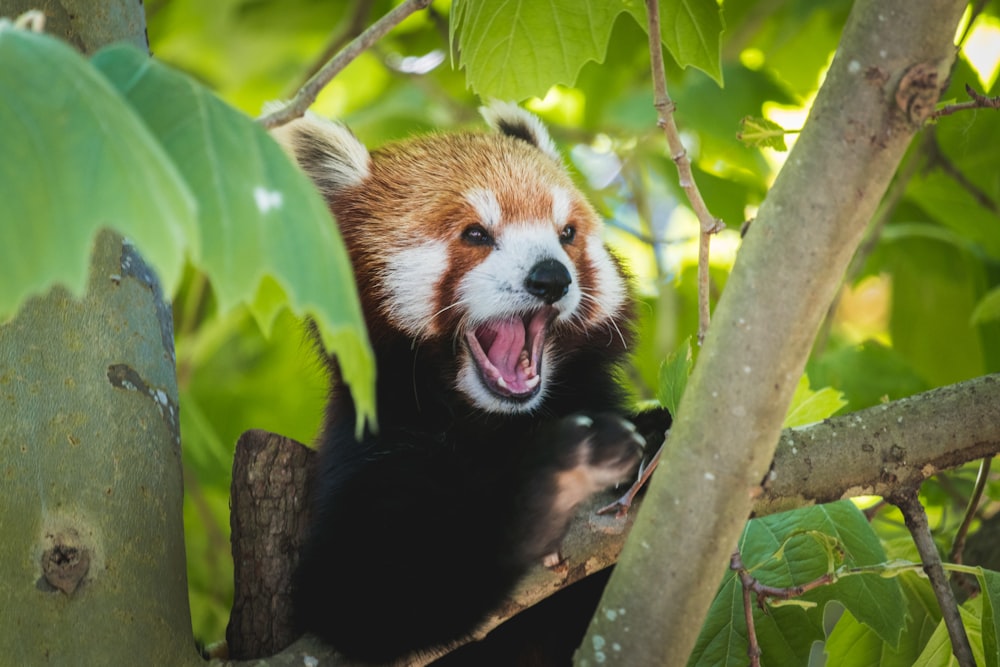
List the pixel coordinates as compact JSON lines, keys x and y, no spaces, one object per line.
{"x":510,"y":119}
{"x":328,"y":152}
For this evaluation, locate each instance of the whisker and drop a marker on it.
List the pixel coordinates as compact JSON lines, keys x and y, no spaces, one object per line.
{"x":610,"y":320}
{"x":430,"y":320}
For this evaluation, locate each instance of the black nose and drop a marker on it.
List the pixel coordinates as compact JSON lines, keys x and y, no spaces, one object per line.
{"x":548,"y":280}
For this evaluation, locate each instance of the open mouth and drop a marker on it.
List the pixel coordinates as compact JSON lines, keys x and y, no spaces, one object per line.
{"x":508,"y":353}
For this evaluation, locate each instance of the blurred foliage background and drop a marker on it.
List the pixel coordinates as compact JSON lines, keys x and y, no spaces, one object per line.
{"x":919,"y":309}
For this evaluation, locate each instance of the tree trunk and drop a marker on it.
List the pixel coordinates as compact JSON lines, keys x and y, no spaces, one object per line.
{"x":91,"y":498}
{"x":893,"y":58}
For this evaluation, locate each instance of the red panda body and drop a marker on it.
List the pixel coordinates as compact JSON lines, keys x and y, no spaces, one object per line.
{"x":498,"y":320}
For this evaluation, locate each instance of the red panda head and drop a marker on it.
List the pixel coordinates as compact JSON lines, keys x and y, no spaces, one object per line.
{"x":476,"y":242}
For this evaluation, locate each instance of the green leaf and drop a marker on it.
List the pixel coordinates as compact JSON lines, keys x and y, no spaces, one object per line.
{"x":691,"y":30}
{"x":794,"y":548}
{"x":937,"y":652}
{"x":76,"y":159}
{"x":867,"y":374}
{"x":762,"y":133}
{"x":988,"y":307}
{"x":936,"y":283}
{"x":673,"y":377}
{"x":521,"y":48}
{"x":958,"y":186}
{"x":854,"y":644}
{"x":267,"y":237}
{"x":810,"y":406}
{"x":989,"y":582}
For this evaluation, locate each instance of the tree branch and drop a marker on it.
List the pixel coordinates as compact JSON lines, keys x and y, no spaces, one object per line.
{"x":978,"y":101}
{"x":891,"y":60}
{"x":880,"y":450}
{"x":916,"y":521}
{"x":665,"y":108}
{"x":354,"y":26}
{"x":307,"y":94}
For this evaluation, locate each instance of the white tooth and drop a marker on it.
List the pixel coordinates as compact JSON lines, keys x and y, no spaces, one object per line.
{"x":501,"y":382}
{"x":532,"y":382}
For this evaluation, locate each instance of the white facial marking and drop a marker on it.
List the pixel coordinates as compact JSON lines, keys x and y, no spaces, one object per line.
{"x":495,"y":287}
{"x":609,"y":291}
{"x":487,"y":207}
{"x":560,"y":206}
{"x":411,"y":278}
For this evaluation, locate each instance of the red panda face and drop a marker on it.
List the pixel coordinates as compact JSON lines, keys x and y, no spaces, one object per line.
{"x":476,"y":242}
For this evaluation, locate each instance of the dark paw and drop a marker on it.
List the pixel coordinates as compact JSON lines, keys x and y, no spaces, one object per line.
{"x":597,"y":452}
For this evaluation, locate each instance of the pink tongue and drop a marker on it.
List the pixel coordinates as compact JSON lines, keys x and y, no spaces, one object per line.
{"x":505,"y":350}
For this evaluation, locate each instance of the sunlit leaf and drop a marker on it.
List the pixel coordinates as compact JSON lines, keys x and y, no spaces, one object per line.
{"x":519,"y":48}
{"x":809,"y":406}
{"x":762,"y":133}
{"x":673,"y":377}
{"x":938,"y":651}
{"x":854,"y":644}
{"x":989,"y":582}
{"x":691,"y":30}
{"x":988,"y":307}
{"x":76,"y":158}
{"x":261,"y":222}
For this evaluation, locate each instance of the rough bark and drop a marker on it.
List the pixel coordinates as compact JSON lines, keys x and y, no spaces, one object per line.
{"x":875,"y":451}
{"x":268,"y":515}
{"x":893,"y":58}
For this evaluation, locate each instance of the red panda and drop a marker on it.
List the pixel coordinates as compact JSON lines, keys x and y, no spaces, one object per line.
{"x":499,"y":321}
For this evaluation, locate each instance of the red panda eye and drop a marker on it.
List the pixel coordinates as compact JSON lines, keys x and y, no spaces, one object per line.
{"x":567,"y":235}
{"x":476,"y":235}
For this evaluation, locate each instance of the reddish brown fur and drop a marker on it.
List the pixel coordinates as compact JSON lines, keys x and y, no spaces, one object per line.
{"x":401,"y":203}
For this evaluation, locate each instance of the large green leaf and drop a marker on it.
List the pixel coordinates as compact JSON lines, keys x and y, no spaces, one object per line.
{"x":938,"y":653}
{"x":989,"y":582}
{"x":266,"y":236}
{"x":795,"y":548}
{"x":519,"y":48}
{"x":854,"y":644}
{"x":691,"y":30}
{"x":75,"y":158}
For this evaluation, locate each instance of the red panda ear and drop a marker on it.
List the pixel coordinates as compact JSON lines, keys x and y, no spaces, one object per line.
{"x":328,"y":152}
{"x":510,"y":119}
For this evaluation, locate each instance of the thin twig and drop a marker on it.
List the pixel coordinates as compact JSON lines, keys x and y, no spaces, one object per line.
{"x":621,"y":506}
{"x":938,"y":159}
{"x":958,"y":546}
{"x":665,"y":108}
{"x":916,"y":521}
{"x":354,"y":26}
{"x":747,"y":580}
{"x":978,"y":101}
{"x":307,"y":94}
